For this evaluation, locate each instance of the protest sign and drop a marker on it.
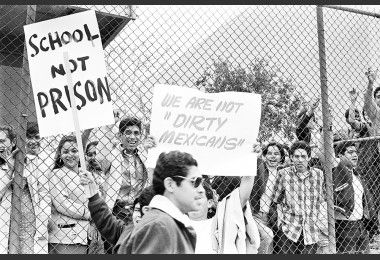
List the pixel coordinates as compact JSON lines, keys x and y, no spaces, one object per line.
{"x":218,"y":129}
{"x":78,"y":35}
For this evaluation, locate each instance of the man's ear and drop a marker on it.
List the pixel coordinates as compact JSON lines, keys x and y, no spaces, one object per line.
{"x":145,"y":209}
{"x":169,"y":184}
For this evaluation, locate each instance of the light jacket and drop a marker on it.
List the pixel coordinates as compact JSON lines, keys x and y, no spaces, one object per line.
{"x":114,"y":180}
{"x":234,"y":230}
{"x":39,"y":191}
{"x":70,"y":215}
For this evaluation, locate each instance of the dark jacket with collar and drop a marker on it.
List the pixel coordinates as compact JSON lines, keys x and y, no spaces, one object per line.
{"x":156,"y":233}
{"x":344,"y":193}
{"x":258,"y":190}
{"x":259,"y":185}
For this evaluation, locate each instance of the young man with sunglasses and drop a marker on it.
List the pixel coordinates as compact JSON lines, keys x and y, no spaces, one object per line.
{"x":165,"y":228}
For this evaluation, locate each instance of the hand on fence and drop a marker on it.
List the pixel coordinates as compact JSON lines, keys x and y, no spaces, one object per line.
{"x":353,"y":96}
{"x":314,"y":104}
{"x":256,"y":148}
{"x":86,"y":178}
{"x":149,"y":142}
{"x":371,"y":75}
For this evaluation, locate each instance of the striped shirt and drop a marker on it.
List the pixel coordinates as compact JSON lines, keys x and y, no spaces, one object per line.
{"x":301,"y":195}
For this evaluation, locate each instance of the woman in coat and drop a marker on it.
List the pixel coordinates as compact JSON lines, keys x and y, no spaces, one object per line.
{"x":70,"y":216}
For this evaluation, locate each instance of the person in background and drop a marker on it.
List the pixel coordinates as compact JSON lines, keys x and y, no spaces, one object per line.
{"x":230,"y":218}
{"x":128,"y":175}
{"x":264,"y":211}
{"x":358,"y":128}
{"x":35,"y":199}
{"x":372,"y":103}
{"x":299,"y":189}
{"x":353,"y":202}
{"x":141,"y":204}
{"x":308,"y":132}
{"x":70,"y":218}
{"x":8,"y":140}
{"x":369,"y":151}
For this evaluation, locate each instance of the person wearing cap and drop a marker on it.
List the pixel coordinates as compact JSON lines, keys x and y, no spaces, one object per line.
{"x":353,"y":202}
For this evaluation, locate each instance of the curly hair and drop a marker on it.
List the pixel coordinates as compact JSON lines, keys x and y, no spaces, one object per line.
{"x":10,"y":133}
{"x":171,"y":164}
{"x":58,"y":163}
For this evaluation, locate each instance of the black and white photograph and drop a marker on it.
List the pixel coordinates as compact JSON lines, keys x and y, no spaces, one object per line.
{"x":189,"y":129}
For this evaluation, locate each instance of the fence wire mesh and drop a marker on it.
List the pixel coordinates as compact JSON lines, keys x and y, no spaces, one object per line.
{"x":269,"y":50}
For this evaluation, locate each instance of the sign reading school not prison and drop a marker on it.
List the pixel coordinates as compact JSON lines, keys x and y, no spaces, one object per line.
{"x":218,"y":129}
{"x":46,"y":41}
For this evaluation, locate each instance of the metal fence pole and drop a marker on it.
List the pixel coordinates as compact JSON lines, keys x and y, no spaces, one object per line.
{"x":327,"y":131}
{"x":20,"y":155}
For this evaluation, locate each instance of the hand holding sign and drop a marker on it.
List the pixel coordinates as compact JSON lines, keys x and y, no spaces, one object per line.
{"x":88,"y":181}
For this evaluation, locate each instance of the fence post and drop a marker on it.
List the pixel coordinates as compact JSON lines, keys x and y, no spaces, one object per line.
{"x":23,"y":104}
{"x":327,"y":131}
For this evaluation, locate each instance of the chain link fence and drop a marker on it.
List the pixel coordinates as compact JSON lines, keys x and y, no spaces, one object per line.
{"x":271,"y":50}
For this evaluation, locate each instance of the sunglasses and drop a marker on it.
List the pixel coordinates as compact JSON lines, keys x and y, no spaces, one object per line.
{"x":196,"y":181}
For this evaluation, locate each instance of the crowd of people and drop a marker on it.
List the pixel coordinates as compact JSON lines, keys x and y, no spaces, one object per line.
{"x":117,"y":205}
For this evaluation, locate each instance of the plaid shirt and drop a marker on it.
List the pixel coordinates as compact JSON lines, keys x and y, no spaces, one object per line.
{"x":301,"y":196}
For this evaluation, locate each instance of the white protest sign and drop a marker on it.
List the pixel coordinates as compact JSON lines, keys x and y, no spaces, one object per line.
{"x":218,"y":129}
{"x":79,"y":36}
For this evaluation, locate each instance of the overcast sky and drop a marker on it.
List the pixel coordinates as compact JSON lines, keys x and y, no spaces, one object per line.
{"x":162,"y":34}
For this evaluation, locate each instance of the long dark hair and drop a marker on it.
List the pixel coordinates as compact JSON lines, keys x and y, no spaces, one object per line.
{"x":58,"y":163}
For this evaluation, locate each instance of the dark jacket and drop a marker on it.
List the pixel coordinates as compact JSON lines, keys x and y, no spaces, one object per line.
{"x":110,"y":227}
{"x":259,"y":185}
{"x":344,"y":193}
{"x":303,"y":133}
{"x":156,"y":233}
{"x":258,"y":190}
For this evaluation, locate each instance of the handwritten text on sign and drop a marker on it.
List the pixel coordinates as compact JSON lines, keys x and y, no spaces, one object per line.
{"x":79,"y":35}
{"x":214,"y":125}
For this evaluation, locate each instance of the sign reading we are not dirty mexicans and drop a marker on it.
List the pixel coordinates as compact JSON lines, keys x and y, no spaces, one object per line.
{"x":218,"y":129}
{"x":78,"y":35}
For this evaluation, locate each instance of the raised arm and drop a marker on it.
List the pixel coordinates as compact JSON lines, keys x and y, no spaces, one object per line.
{"x":108,"y":225}
{"x":369,"y":102}
{"x":355,"y":124}
{"x":246,"y":182}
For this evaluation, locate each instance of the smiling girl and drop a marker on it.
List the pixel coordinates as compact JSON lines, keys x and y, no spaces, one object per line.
{"x":70,"y":215}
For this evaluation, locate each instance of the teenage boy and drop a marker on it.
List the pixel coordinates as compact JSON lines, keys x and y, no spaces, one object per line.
{"x":165,"y":228}
{"x":353,"y":202}
{"x":299,"y":189}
